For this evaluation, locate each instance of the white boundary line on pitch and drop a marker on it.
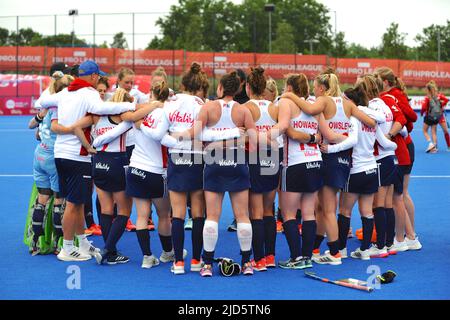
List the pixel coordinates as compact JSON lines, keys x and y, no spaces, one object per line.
{"x":30,"y":175}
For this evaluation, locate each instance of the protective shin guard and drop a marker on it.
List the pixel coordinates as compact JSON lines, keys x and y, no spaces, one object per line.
{"x":210,"y":236}
{"x":245,"y":235}
{"x":37,"y":221}
{"x":57,"y":220}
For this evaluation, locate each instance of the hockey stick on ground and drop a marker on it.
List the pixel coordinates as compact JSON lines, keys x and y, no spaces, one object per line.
{"x":339,"y":283}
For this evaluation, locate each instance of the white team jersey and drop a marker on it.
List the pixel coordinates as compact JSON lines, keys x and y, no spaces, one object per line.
{"x":44,"y":94}
{"x":339,"y":123}
{"x":180,"y":114}
{"x":225,"y":122}
{"x":282,"y":137}
{"x":265,"y":121}
{"x":72,"y":106}
{"x":103,"y":125}
{"x":296,"y":152}
{"x":148,"y":154}
{"x":362,"y":155}
{"x":139,"y":97}
{"x":378,"y":105}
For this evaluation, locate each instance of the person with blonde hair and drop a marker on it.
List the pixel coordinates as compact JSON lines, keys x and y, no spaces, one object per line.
{"x":336,"y":166}
{"x":433,"y":110}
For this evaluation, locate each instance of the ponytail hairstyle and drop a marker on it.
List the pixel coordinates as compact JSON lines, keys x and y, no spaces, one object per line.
{"x":271,"y":85}
{"x":59,"y":81}
{"x":230,"y":83}
{"x":369,"y":84}
{"x":357,"y":95}
{"x":400,"y":85}
{"x":257,"y":80}
{"x":330,"y":81}
{"x":386,"y":74}
{"x":205,"y":84}
{"x":121,"y":95}
{"x":122,"y":73}
{"x":160,"y":91}
{"x":299,"y":84}
{"x":192,"y":80}
{"x":160,"y":72}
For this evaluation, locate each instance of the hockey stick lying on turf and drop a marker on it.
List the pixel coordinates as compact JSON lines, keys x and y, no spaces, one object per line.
{"x":339,"y":283}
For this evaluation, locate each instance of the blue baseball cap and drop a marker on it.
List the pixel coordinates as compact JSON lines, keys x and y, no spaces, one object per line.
{"x":89,"y":67}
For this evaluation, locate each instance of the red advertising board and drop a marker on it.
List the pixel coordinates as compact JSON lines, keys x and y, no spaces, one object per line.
{"x":349,"y":69}
{"x":417,"y":73}
{"x":277,"y":65}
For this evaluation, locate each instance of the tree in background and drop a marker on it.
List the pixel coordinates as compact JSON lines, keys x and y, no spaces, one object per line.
{"x":4,"y":36}
{"x":25,"y":37}
{"x":119,"y":41}
{"x":355,"y":50}
{"x":60,"y":40}
{"x":284,"y":43}
{"x":393,"y":43}
{"x":340,"y":46}
{"x":428,"y":42}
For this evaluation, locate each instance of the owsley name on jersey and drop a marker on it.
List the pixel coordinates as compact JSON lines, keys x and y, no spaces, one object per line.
{"x":339,"y":125}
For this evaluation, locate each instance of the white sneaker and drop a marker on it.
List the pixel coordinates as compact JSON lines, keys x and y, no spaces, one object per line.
{"x":177,"y":268}
{"x":91,"y":250}
{"x":170,"y":256}
{"x":400,"y":246}
{"x":374,"y":252}
{"x":327,"y":258}
{"x":430,"y":147}
{"x":360,"y":254}
{"x":149,"y":261}
{"x":413,"y":244}
{"x":74,"y":255}
{"x":343,"y":253}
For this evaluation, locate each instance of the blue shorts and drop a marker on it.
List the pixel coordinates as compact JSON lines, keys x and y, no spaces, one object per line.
{"x":74,"y":180}
{"x":336,"y":168}
{"x":108,"y":170}
{"x":265,"y":175}
{"x":366,"y":182}
{"x":387,"y":170}
{"x":185,"y":172}
{"x":232,"y":177}
{"x":129,"y":152}
{"x":144,"y":184}
{"x":303,"y":177}
{"x":44,"y":171}
{"x":399,"y":178}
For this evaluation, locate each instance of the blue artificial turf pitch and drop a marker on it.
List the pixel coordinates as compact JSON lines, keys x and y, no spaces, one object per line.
{"x":420,"y":275}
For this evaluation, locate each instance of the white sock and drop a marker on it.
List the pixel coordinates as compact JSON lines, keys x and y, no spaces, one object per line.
{"x":244,"y":233}
{"x":68,"y":245}
{"x":210,"y":235}
{"x":83,"y":241}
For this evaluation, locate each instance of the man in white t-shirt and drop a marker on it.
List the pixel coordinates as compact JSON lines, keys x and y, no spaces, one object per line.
{"x":73,"y":162}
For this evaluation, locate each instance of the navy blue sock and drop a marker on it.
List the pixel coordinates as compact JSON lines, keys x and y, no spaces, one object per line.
{"x":143,"y":236}
{"x":298,"y":216}
{"x":367,"y":232}
{"x":208,"y":257}
{"x":380,"y":226}
{"x":334,"y":247}
{"x":105,"y":224}
{"x":197,"y":237}
{"x":308,"y":235}
{"x":344,"y":227}
{"x":88,"y":216}
{"x":245,"y":257}
{"x":293,"y":237}
{"x":178,"y":238}
{"x":318,"y":241}
{"x":270,"y":235}
{"x":390,"y":226}
{"x":166,"y":243}
{"x":117,"y":229}
{"x":258,"y":238}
